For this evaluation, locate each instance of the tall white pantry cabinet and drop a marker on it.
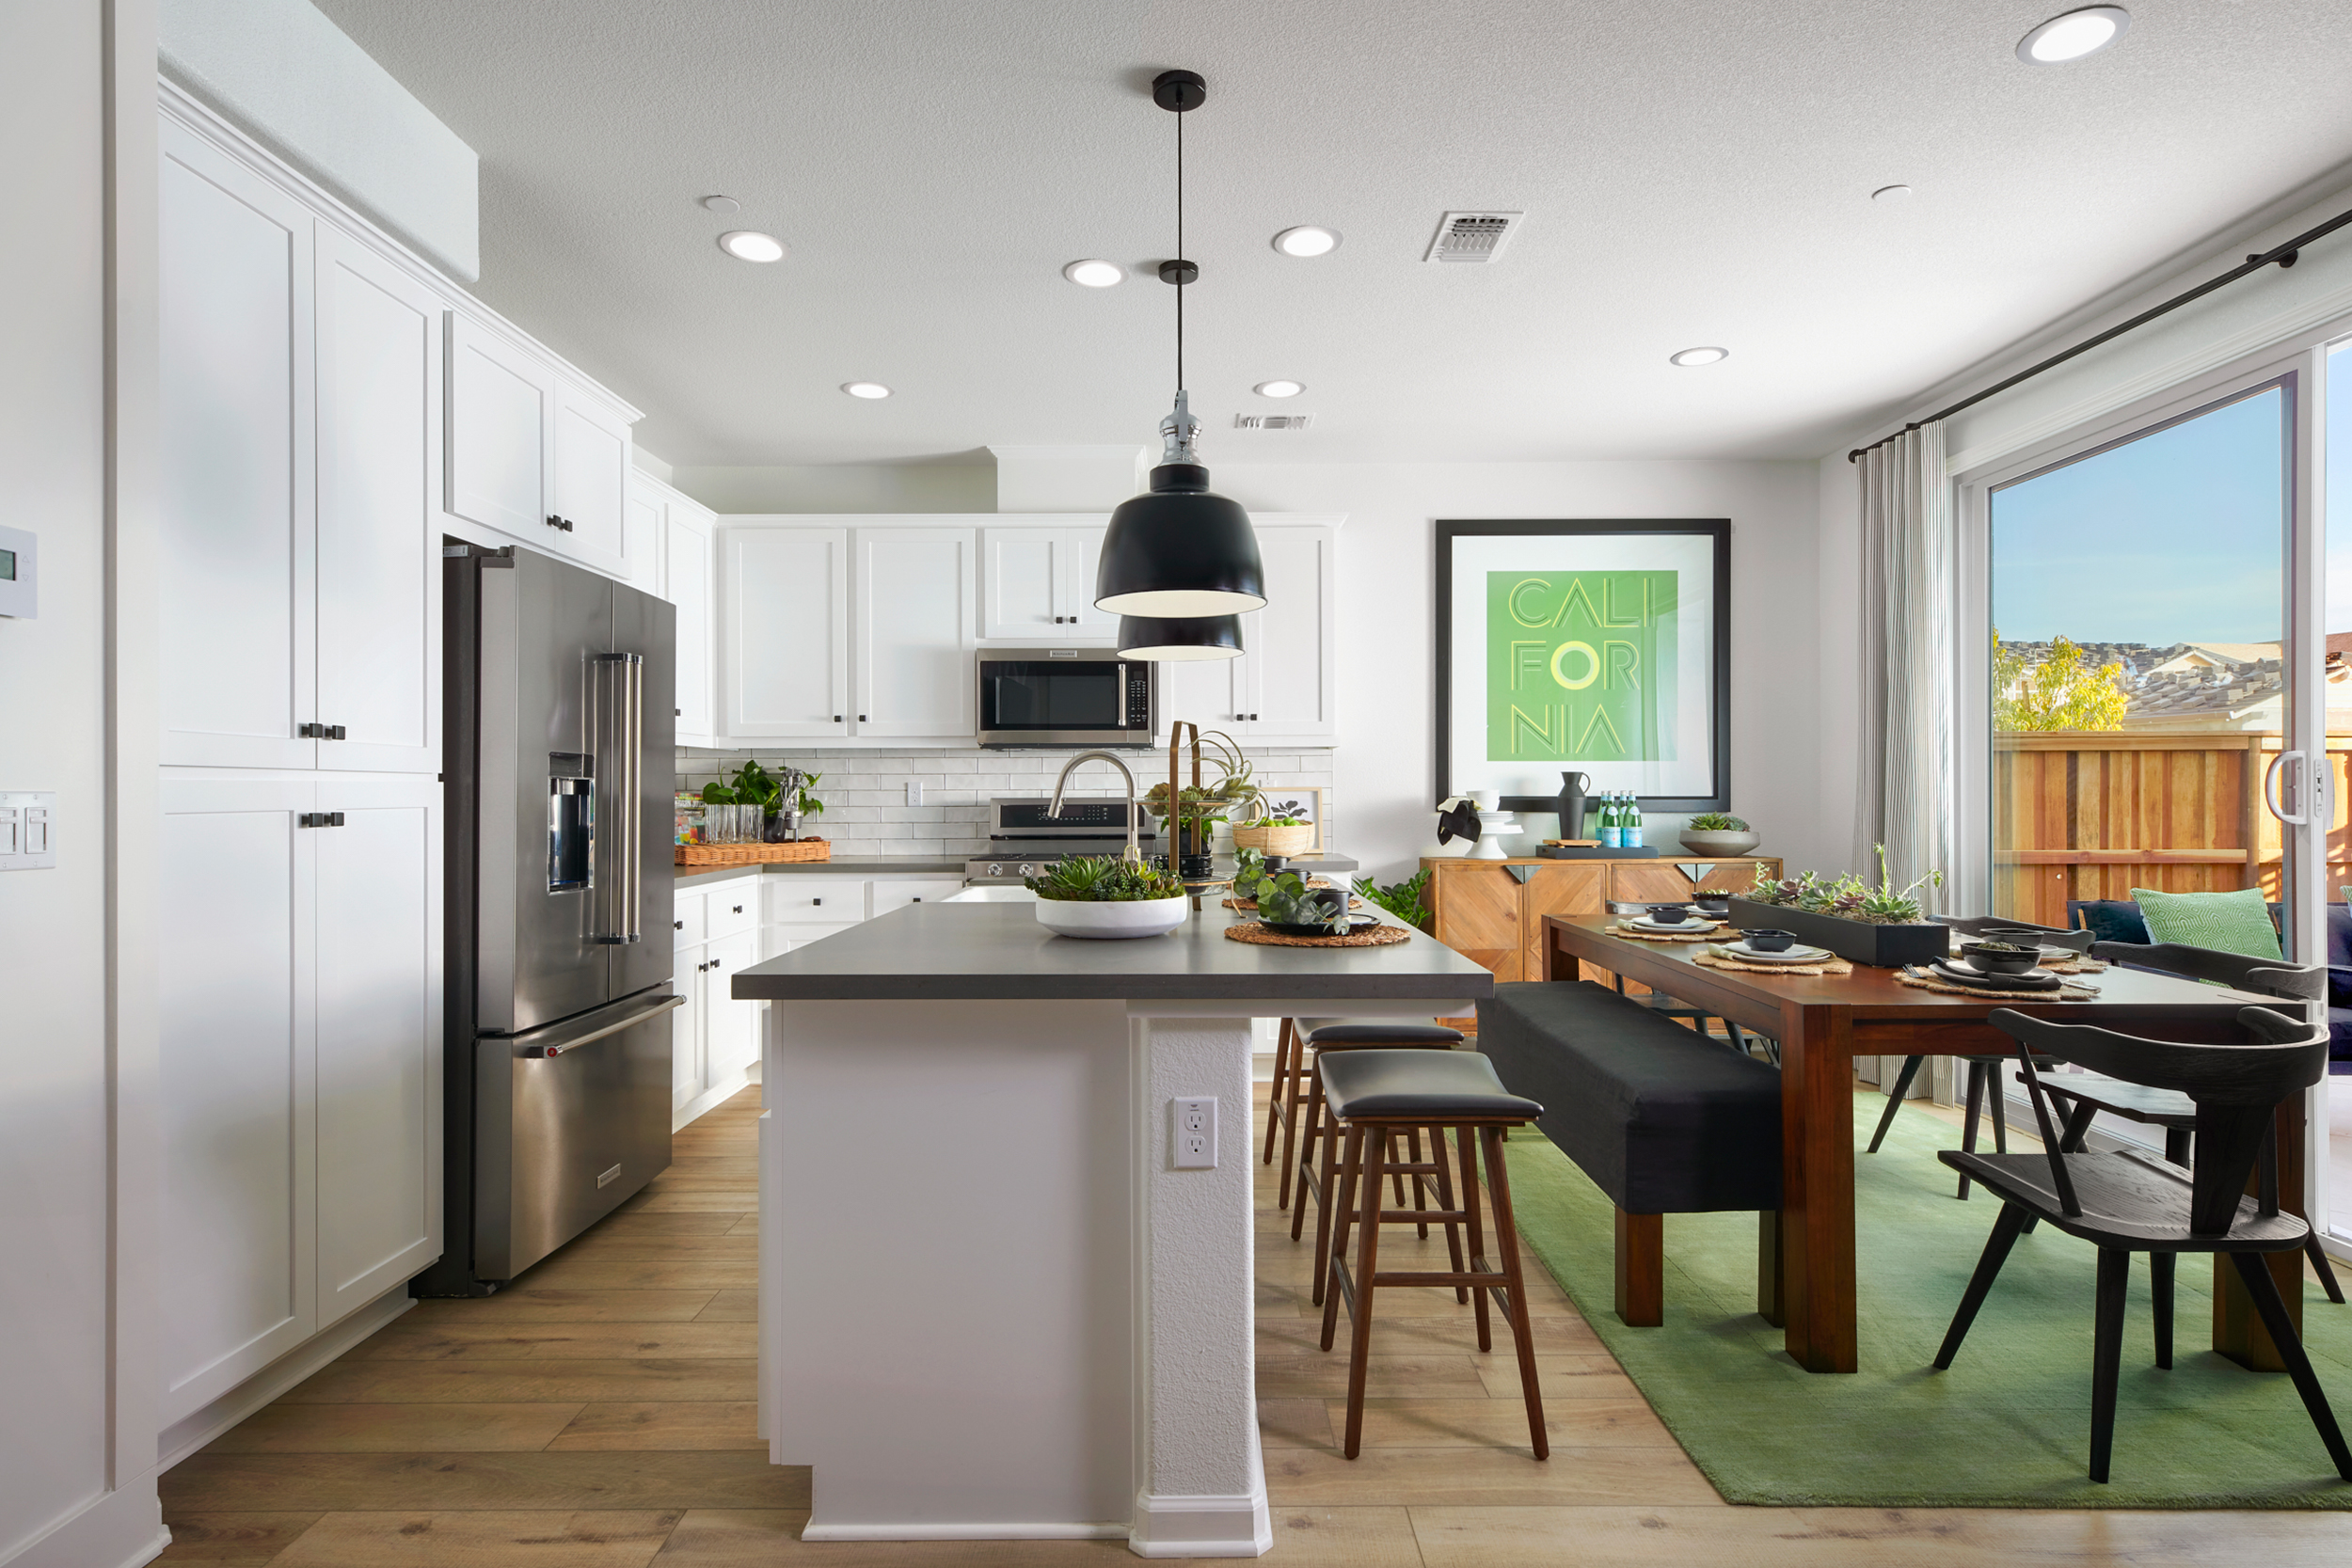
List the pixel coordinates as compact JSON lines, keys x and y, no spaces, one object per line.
{"x":307,"y":477}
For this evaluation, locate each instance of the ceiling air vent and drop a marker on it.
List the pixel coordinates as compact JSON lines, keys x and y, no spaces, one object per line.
{"x":1472,"y":236}
{"x":1273,"y":421}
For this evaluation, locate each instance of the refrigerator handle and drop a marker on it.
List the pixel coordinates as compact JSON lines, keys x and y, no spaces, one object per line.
{"x":618,"y":699}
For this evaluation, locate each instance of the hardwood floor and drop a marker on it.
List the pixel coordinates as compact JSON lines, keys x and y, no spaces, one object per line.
{"x":602,"y":1416}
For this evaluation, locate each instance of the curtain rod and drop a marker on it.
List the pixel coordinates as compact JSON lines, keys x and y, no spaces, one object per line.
{"x":2284,"y":256}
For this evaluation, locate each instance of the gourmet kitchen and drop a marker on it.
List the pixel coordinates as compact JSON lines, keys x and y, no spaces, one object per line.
{"x":902,"y":784}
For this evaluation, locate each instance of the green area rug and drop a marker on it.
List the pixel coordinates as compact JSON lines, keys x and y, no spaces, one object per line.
{"x":2008,"y":1426}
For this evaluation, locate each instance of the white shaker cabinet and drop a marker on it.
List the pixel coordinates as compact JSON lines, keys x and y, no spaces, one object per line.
{"x":913,"y":634}
{"x":235,"y":479}
{"x":590,"y":461}
{"x":378,"y":956}
{"x":1285,"y":685}
{"x":236,"y":888}
{"x":784,"y":632}
{"x":713,"y":1038}
{"x":1037,"y":585}
{"x":301,"y":1029}
{"x":502,"y":408}
{"x":299,"y":391}
{"x":669,"y":555}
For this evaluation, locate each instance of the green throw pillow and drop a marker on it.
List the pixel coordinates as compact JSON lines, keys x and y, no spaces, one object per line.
{"x":2237,"y":922}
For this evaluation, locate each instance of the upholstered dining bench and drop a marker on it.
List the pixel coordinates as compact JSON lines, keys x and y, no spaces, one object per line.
{"x":1664,"y":1120}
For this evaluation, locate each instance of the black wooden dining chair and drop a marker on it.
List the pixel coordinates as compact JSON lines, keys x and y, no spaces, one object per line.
{"x":1984,"y":1080}
{"x":2079,"y":1101}
{"x":2127,"y":1202}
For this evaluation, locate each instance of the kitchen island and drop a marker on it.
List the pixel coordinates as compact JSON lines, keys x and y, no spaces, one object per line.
{"x":990,"y":1306}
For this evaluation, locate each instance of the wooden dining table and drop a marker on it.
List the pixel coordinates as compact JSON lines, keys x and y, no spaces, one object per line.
{"x":1824,"y":1022}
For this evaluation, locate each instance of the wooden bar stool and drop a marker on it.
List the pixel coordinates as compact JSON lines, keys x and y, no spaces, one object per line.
{"x":1293,"y":1076}
{"x":1331,"y":1035}
{"x":1373,"y":1096}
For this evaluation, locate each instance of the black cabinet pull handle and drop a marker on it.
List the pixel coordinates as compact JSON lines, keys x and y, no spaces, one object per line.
{"x":714,"y":963}
{"x":861,"y":718}
{"x":918,"y":897}
{"x":678,"y":924}
{"x":739,"y":909}
{"x":836,"y":718}
{"x":321,"y":732}
{"x":817,"y":900}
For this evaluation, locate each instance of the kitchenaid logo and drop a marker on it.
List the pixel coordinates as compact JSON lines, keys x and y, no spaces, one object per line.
{"x":1580,"y":666}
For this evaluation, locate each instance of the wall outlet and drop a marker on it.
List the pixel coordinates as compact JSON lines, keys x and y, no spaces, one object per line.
{"x":1196,"y":1134}
{"x":915,"y":792}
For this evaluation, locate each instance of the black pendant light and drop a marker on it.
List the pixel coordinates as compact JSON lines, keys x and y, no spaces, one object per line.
{"x":1161,"y":638}
{"x":1179,"y":552}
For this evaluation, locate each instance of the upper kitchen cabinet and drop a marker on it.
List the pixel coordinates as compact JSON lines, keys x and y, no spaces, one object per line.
{"x":1037,"y":585}
{"x":1284,"y":687}
{"x":669,"y":555}
{"x":784,"y":631}
{"x":533,"y":456}
{"x":298,"y":385}
{"x":912,"y":662}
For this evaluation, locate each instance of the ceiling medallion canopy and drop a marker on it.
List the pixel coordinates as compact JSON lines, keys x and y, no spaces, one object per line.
{"x":1180,"y":562}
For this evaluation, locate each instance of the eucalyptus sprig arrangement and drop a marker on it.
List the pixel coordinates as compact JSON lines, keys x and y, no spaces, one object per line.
{"x":1102,"y":879}
{"x":1401,"y":899}
{"x":1248,"y":871}
{"x":1848,"y":897}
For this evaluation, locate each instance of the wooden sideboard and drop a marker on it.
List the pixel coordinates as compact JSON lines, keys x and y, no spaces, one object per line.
{"x":1492,"y":911}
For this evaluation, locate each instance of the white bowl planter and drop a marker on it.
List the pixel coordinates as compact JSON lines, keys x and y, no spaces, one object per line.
{"x":1135,"y":917}
{"x":1720,"y":843}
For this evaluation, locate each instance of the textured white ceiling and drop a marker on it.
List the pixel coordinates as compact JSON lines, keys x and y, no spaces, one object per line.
{"x":1693,"y":173}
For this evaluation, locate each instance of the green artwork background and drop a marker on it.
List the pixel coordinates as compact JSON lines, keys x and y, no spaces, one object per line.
{"x":1580,"y":666}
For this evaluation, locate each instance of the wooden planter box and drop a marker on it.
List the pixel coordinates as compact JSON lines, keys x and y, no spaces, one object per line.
{"x":1886,"y":947}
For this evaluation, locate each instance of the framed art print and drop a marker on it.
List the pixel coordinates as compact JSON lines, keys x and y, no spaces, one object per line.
{"x":1599,"y":647}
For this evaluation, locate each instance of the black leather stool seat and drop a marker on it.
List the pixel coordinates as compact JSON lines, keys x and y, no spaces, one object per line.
{"x":1375,"y":1031}
{"x":1419,"y":1086}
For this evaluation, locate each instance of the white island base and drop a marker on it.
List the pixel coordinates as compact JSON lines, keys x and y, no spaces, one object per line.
{"x":990,"y":1306}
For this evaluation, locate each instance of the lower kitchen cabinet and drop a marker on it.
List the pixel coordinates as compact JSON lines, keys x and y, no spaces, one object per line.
{"x":713,"y":1038}
{"x":299,"y":994}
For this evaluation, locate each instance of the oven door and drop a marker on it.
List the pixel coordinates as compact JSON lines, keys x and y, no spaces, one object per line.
{"x":1066,"y":697}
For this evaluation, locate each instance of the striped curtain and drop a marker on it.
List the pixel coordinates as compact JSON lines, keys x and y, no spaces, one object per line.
{"x":1907,"y":640}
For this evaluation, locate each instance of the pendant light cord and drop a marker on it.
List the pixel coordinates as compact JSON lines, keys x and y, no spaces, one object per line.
{"x":1179,"y":250}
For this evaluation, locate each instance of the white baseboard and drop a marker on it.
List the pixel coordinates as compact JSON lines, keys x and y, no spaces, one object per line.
{"x":198,"y":1427}
{"x":1237,"y":1526}
{"x":123,"y":1528}
{"x":709,"y":1099}
{"x":963,"y":1532}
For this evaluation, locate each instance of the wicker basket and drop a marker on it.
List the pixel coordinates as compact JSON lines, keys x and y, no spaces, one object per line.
{"x":1285,"y":842}
{"x":708,"y":855}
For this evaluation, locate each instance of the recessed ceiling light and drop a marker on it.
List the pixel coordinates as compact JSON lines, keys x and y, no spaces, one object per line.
{"x":1891,"y":193}
{"x":1280,"y":389}
{"x":722,"y":204}
{"x":1699,"y":356}
{"x":2073,"y":35}
{"x":865,"y":388}
{"x":750,"y":244}
{"x":1094,"y":272}
{"x":1307,"y":240}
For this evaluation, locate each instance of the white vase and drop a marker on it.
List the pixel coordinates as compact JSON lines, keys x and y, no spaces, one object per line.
{"x":1493,"y":828}
{"x":1133,"y":917}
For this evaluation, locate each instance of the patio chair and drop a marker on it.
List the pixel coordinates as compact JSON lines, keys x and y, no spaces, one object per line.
{"x":2125,"y":1203}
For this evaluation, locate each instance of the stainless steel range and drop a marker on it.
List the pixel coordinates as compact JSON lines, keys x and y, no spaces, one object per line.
{"x":1022,"y":840}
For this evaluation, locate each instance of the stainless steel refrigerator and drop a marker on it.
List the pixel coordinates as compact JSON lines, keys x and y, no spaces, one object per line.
{"x":559,"y":740}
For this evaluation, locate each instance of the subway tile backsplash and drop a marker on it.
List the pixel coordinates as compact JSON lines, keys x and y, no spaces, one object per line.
{"x":865,"y":791}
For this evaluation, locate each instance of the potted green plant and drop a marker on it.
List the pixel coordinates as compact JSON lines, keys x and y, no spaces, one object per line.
{"x":1882,"y":924}
{"x":1104,"y":896}
{"x":1201,"y":806}
{"x":1401,"y":899}
{"x":782,"y":799}
{"x":1284,"y":900}
{"x":1717,"y":833}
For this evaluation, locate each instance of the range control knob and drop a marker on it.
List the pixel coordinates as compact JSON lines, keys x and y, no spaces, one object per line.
{"x":994,"y":869}
{"x":1027,"y":870}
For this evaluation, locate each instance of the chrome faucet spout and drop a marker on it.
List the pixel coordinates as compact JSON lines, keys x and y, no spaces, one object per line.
{"x":1133,"y":855}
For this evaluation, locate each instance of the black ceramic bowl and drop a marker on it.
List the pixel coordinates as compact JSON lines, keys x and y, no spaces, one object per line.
{"x":1669,"y":914}
{"x":1766,"y":941}
{"x":1996,"y":963}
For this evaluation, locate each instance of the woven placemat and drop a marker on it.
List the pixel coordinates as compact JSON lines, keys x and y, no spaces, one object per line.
{"x":2064,"y":993}
{"x":1826,"y":966}
{"x":1696,"y":933}
{"x":1376,"y":936}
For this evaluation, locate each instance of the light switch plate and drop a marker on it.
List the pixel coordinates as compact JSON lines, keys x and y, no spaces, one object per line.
{"x":28,"y":830}
{"x":19,"y":574}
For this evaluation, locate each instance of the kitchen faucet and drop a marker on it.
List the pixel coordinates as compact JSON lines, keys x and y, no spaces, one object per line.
{"x":1133,"y":855}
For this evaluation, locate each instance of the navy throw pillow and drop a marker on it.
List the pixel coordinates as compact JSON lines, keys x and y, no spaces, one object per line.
{"x":2110,"y":919}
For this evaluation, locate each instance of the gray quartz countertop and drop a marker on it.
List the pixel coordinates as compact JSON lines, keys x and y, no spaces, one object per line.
{"x":999,"y":951}
{"x":878,"y":866}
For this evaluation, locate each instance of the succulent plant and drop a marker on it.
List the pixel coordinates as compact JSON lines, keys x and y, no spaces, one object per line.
{"x":1102,"y":879}
{"x":1716,"y":822}
{"x":1848,"y":897}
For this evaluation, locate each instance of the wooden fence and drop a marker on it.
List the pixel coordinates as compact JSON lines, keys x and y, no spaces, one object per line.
{"x":2095,"y":814}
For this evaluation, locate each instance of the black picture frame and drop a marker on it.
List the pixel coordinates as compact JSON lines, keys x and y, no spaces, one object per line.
{"x":1718,"y":529}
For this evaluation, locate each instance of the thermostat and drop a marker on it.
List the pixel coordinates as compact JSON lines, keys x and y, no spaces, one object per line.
{"x":20,"y":573}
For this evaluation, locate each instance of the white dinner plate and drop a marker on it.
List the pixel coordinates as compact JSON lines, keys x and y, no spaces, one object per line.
{"x":1799,"y":953}
{"x":1689,"y":927}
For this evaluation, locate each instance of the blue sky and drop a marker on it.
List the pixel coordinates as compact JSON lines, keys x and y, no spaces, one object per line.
{"x":2175,"y":537}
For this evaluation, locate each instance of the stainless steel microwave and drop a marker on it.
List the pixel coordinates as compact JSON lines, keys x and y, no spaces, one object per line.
{"x":1066,"y":697}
